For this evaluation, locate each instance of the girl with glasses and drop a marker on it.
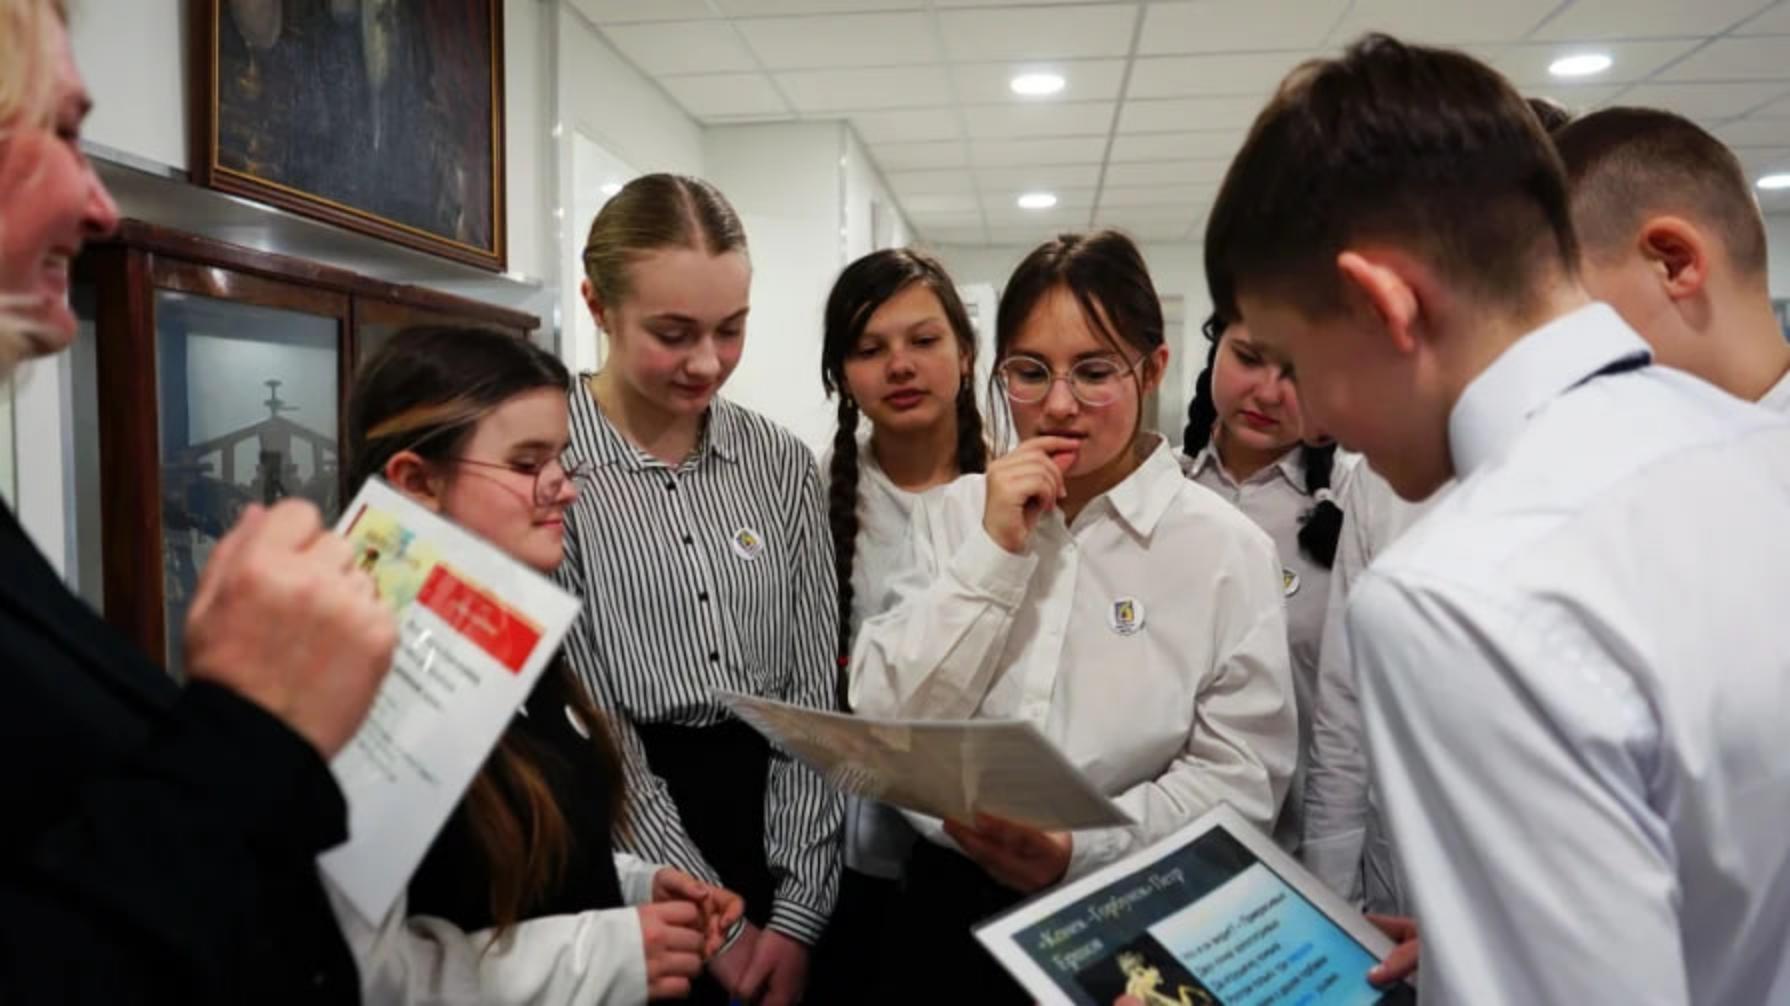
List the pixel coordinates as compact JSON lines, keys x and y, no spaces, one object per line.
{"x":1085,"y":585}
{"x":522,"y":897}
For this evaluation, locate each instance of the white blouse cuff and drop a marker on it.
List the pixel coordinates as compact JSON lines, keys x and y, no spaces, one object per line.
{"x":992,"y":570}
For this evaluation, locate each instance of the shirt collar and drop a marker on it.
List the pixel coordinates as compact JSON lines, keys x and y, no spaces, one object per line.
{"x":1145,"y":495}
{"x":720,"y":434}
{"x":1778,"y":398}
{"x":1536,"y":369}
{"x":1291,"y":467}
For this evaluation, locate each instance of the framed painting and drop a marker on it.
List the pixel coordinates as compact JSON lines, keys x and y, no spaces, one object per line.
{"x":382,"y":116}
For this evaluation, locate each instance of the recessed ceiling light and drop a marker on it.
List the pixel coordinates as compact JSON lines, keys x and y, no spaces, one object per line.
{"x":1037,"y":201}
{"x":1582,"y":64}
{"x":1034,"y":85}
{"x":1772,"y":183}
{"x":612,"y":188}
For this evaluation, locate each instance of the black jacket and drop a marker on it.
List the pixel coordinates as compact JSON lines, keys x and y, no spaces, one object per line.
{"x":159,"y":842}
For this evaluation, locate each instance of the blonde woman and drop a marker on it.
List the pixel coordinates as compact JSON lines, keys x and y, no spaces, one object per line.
{"x":161,"y":839}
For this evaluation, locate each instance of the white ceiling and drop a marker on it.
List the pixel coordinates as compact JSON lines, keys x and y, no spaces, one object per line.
{"x":1159,"y":93}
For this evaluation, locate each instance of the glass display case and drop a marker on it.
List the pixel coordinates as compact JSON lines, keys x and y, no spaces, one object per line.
{"x":220,"y":376}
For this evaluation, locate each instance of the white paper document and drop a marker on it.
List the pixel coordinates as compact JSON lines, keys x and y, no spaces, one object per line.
{"x":947,"y":769}
{"x":1214,"y":915}
{"x":475,"y":630}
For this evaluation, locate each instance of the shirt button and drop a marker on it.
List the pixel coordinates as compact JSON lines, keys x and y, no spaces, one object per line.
{"x":714,"y":657}
{"x":671,"y":487}
{"x":703,"y":597}
{"x":687,"y":540}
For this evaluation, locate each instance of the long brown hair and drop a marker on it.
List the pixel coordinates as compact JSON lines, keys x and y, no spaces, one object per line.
{"x":864,"y":286}
{"x":425,"y":391}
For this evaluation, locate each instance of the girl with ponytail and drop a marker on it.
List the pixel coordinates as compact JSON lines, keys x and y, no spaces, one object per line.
{"x":899,"y":352}
{"x":1243,"y":441}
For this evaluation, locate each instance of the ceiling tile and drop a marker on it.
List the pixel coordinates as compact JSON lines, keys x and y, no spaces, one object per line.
{"x":767,"y":8}
{"x":931,"y":183}
{"x":925,"y":222}
{"x":682,"y":47}
{"x":1577,"y":98}
{"x":868,"y":88}
{"x":1056,"y":218}
{"x":1177,"y":146}
{"x":909,"y":156}
{"x":947,"y":4}
{"x":1036,"y":234}
{"x":1254,"y":74}
{"x":1755,"y":58}
{"x":1237,"y":25}
{"x":1648,"y":18}
{"x":1005,"y":153}
{"x":942,"y":202}
{"x":908,"y":125}
{"x":726,"y":94}
{"x":1039,"y":176}
{"x":607,"y":12}
{"x":1445,"y":22}
{"x":1159,"y":224}
{"x":1757,"y":161}
{"x":943,"y":235}
{"x":1775,"y":21}
{"x":1167,"y":173}
{"x":1779,"y":109}
{"x":1527,"y":65}
{"x":1014,"y":121}
{"x":1755,"y":132}
{"x":1158,"y":195}
{"x":999,"y":201}
{"x":1083,"y":80}
{"x":1171,"y":115}
{"x":1705,"y":101}
{"x":1038,"y":32}
{"x":849,"y":40}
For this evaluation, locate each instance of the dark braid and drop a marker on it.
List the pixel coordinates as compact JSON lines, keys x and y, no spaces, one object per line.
{"x":972,"y":448}
{"x":1202,"y":412}
{"x":861,"y":288}
{"x":842,"y":515}
{"x":1322,"y":524}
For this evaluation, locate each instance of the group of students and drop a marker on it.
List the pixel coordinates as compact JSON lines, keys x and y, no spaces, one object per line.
{"x":1563,"y":680}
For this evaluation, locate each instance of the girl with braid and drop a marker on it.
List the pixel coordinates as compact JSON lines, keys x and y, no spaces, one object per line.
{"x":900,"y":352}
{"x":1243,"y":442}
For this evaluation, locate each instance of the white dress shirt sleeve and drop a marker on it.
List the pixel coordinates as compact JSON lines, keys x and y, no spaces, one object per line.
{"x":636,"y":876}
{"x":936,"y":650}
{"x":593,"y":957}
{"x":1245,"y":737}
{"x":1512,"y":752}
{"x":1336,"y":802}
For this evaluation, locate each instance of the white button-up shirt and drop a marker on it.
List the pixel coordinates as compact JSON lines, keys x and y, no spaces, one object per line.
{"x":1575,"y":676}
{"x":1275,"y":498}
{"x":1147,"y":641}
{"x":1346,"y":842}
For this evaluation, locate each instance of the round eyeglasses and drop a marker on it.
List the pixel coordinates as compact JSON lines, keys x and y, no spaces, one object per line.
{"x":550,"y":477}
{"x":1094,"y":382}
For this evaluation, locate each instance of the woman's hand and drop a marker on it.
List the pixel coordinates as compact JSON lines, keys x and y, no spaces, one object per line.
{"x":1024,"y":485}
{"x":1015,"y":855}
{"x":672,"y":938}
{"x":282,"y":617}
{"x":720,"y":907}
{"x":778,"y":974}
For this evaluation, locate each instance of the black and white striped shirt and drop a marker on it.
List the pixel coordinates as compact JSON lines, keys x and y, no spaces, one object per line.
{"x":716,"y":573}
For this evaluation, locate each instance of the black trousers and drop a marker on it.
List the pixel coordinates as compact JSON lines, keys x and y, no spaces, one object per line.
{"x":717,"y":777}
{"x":933,"y":955}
